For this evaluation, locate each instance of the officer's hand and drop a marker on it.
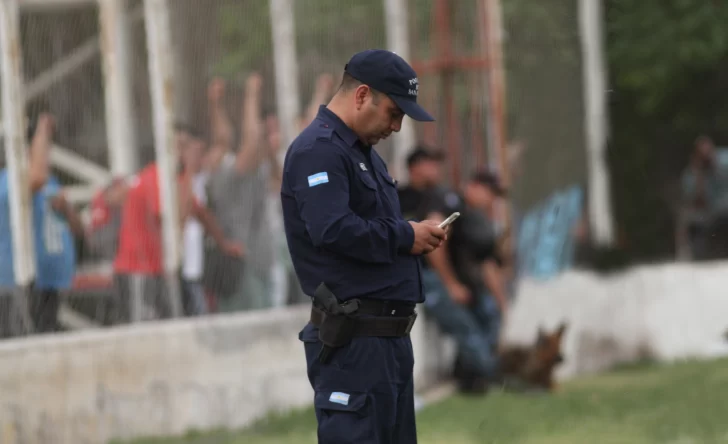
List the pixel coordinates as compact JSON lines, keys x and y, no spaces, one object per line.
{"x":428,"y":237}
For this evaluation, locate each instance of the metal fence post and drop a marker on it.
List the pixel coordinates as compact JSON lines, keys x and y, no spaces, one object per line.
{"x":120,"y":125}
{"x":161,"y":80}
{"x":595,"y":93}
{"x":286,"y":69}
{"x":16,"y":153}
{"x":395,"y":14}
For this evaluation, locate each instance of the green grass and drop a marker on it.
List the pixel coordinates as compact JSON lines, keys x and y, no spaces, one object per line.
{"x":678,"y":404}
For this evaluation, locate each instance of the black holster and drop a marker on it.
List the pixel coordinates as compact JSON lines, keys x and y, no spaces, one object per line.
{"x":338,"y":326}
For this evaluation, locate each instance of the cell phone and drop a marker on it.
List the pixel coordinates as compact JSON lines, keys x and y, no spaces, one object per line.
{"x":449,"y":220}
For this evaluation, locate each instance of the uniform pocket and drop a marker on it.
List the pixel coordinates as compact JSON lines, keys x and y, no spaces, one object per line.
{"x":344,"y":417}
{"x":389,"y":186}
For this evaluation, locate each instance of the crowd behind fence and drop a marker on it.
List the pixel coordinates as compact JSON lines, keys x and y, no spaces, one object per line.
{"x":93,"y":143}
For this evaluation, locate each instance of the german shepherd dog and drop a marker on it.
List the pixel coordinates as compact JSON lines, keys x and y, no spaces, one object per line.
{"x":521,"y":368}
{"x":533,"y":367}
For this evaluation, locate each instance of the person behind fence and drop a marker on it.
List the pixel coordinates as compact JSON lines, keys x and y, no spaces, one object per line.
{"x":105,"y":208}
{"x":237,"y":189}
{"x":141,"y":293}
{"x":55,"y":223}
{"x":356,"y":256}
{"x":192,"y":158}
{"x":290,"y":288}
{"x":425,"y":177}
{"x":705,"y":199}
{"x":465,"y":291}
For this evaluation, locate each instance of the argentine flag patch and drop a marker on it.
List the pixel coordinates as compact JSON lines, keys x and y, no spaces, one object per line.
{"x":339,"y":398}
{"x":318,"y":179}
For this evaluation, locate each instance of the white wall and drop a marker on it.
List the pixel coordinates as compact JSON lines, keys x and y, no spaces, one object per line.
{"x":664,"y":312}
{"x":167,"y":378}
{"x":160,"y":378}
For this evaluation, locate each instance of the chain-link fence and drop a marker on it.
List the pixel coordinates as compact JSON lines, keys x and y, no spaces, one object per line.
{"x":226,"y":102}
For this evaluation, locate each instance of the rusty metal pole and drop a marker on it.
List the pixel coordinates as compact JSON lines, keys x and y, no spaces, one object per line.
{"x":161,"y":82}
{"x":444,"y":53}
{"x":491,"y":10}
{"x":16,"y":154}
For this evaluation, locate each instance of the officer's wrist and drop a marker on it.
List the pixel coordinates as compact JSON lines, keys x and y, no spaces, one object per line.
{"x":405,"y":237}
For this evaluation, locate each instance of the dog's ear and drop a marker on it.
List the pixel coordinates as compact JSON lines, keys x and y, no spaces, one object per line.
{"x":541,"y":336}
{"x":561,"y":329}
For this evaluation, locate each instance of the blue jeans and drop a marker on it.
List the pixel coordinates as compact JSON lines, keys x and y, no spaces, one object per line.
{"x":475,"y":328}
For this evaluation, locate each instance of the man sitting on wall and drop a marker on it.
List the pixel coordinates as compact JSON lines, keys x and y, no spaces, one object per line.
{"x":462,"y":280}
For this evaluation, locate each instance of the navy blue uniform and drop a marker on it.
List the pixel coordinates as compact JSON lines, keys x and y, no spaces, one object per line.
{"x":344,"y":228}
{"x":343,"y":222}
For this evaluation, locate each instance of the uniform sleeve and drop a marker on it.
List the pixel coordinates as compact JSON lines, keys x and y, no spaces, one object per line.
{"x":319,"y":181}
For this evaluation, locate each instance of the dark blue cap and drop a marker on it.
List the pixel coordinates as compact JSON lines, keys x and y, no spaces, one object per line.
{"x":388,"y":73}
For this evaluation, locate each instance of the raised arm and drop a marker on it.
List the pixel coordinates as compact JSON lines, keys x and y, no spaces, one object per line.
{"x":40,"y":145}
{"x":222,"y":131}
{"x":252,"y":150}
{"x":321,"y":94}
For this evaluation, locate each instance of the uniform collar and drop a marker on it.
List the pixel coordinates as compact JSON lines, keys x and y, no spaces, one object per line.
{"x":340,"y":127}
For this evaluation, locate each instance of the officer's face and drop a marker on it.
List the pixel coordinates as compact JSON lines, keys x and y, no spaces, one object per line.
{"x":377,"y":115}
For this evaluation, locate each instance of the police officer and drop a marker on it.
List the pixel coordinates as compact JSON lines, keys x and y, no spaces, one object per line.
{"x":356,"y":256}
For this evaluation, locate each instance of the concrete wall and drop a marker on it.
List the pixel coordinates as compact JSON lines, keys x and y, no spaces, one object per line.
{"x":163,"y":378}
{"x":662,"y":312}
{"x":226,"y":371}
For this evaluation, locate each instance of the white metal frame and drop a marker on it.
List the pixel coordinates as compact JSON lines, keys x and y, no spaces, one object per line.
{"x":161,"y":76}
{"x":113,"y":46}
{"x":16,"y":146}
{"x":395,"y":12}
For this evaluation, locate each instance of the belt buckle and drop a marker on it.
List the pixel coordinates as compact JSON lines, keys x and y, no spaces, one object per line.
{"x":410,"y":323}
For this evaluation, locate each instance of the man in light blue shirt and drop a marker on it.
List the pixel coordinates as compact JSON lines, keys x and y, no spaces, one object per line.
{"x":54,"y":224}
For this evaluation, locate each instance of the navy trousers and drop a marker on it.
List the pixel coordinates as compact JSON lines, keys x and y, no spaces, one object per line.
{"x":364,"y":394}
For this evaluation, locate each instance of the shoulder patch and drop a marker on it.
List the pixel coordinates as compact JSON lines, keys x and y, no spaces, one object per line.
{"x":318,"y":179}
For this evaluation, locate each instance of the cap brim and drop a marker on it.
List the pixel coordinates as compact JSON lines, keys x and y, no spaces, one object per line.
{"x":412,"y":109}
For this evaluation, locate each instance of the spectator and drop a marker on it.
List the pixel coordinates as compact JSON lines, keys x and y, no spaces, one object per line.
{"x":192,"y":154}
{"x":105,"y":207}
{"x":138,"y":266}
{"x":55,"y":222}
{"x":464,"y":283}
{"x":238,"y":188}
{"x":705,"y":198}
{"x":425,"y":175}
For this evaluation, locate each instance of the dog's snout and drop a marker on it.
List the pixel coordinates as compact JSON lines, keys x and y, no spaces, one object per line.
{"x":559,"y":358}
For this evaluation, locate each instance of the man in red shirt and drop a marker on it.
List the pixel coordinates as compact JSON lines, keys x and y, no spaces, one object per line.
{"x":138,"y":266}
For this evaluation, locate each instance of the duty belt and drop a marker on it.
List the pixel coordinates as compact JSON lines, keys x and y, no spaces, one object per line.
{"x":339,"y":322}
{"x":391,"y":326}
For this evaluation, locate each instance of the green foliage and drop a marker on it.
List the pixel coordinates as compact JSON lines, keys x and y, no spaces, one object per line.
{"x":656,"y":46}
{"x":668,"y":61}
